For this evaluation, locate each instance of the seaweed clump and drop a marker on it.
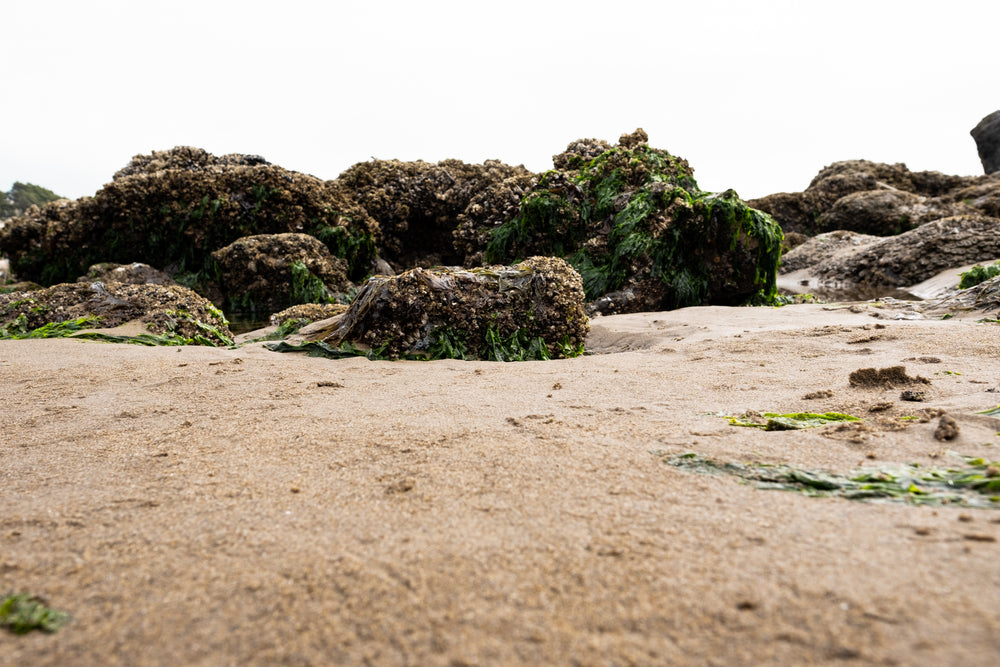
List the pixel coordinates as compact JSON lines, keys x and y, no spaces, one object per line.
{"x":533,"y":310}
{"x":632,"y":220}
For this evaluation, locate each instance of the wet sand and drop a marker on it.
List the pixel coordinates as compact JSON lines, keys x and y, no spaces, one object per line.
{"x":207,"y":506}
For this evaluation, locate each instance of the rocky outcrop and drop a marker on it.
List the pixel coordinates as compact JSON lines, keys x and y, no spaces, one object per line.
{"x":135,"y":273}
{"x":417,"y":204}
{"x":876,"y":198}
{"x":269,"y":272}
{"x":987,"y":136}
{"x":897,"y":261}
{"x":533,"y":310}
{"x":630,"y":218}
{"x":172,"y":209}
{"x":633,"y":222}
{"x":886,"y":212}
{"x":173,"y":312}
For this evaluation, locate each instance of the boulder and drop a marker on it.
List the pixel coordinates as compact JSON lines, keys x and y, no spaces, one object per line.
{"x":886,"y":212}
{"x":269,"y":272}
{"x":900,"y":199}
{"x":987,"y":136}
{"x":531,"y":310}
{"x":135,"y":273}
{"x":632,"y":220}
{"x":897,"y":261}
{"x":417,"y":204}
{"x":172,"y":209}
{"x":174,"y":312}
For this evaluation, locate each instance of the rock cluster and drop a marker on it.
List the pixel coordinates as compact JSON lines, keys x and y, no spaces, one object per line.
{"x":867,"y":227}
{"x":879,"y":199}
{"x":173,"y":209}
{"x":254,"y":237}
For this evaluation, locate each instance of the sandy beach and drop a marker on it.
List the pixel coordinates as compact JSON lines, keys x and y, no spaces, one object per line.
{"x":202,"y":506}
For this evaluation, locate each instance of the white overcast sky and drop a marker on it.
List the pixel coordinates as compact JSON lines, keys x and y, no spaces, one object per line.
{"x":758,"y":96}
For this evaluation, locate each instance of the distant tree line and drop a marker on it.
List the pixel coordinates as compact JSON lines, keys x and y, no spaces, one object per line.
{"x":21,"y":197}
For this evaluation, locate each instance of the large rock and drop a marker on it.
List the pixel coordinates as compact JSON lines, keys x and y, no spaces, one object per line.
{"x":632,"y":220}
{"x":172,"y":209}
{"x":417,"y":204}
{"x":899,"y":199}
{"x":531,"y":310}
{"x":167,"y":310}
{"x":897,"y":261}
{"x":987,"y":136}
{"x":269,"y":272}
{"x":886,"y":212}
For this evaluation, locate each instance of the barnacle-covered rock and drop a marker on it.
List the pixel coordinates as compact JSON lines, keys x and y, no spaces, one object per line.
{"x":486,"y":211}
{"x":310,"y":312}
{"x":268,"y":272}
{"x":417,"y":204}
{"x":633,"y":222}
{"x":171,"y":311}
{"x":172,"y":209}
{"x":533,"y":310}
{"x":135,"y":273}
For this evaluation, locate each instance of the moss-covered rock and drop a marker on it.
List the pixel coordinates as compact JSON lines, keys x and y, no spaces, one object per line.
{"x":172,"y":209}
{"x":632,"y":220}
{"x":533,"y":310}
{"x":268,"y":272}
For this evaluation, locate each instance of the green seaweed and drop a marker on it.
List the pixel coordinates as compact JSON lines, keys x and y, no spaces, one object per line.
{"x":444,"y":343}
{"x":992,"y":412}
{"x":307,"y":287}
{"x":974,"y":484}
{"x":353,"y":244}
{"x":21,"y":613}
{"x":774,"y":421}
{"x":978,"y":274}
{"x":17,"y":330}
{"x":207,"y":334}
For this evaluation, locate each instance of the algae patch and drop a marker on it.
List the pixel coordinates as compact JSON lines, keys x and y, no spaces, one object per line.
{"x":975,"y":483}
{"x":23,"y":613}
{"x":773,"y":421}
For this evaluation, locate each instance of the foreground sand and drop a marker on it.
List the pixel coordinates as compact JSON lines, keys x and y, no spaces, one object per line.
{"x":217,"y":507}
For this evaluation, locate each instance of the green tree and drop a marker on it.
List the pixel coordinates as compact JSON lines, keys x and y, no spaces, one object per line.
{"x":22,"y":196}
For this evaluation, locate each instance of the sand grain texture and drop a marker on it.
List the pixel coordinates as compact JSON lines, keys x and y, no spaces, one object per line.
{"x":207,"y":506}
